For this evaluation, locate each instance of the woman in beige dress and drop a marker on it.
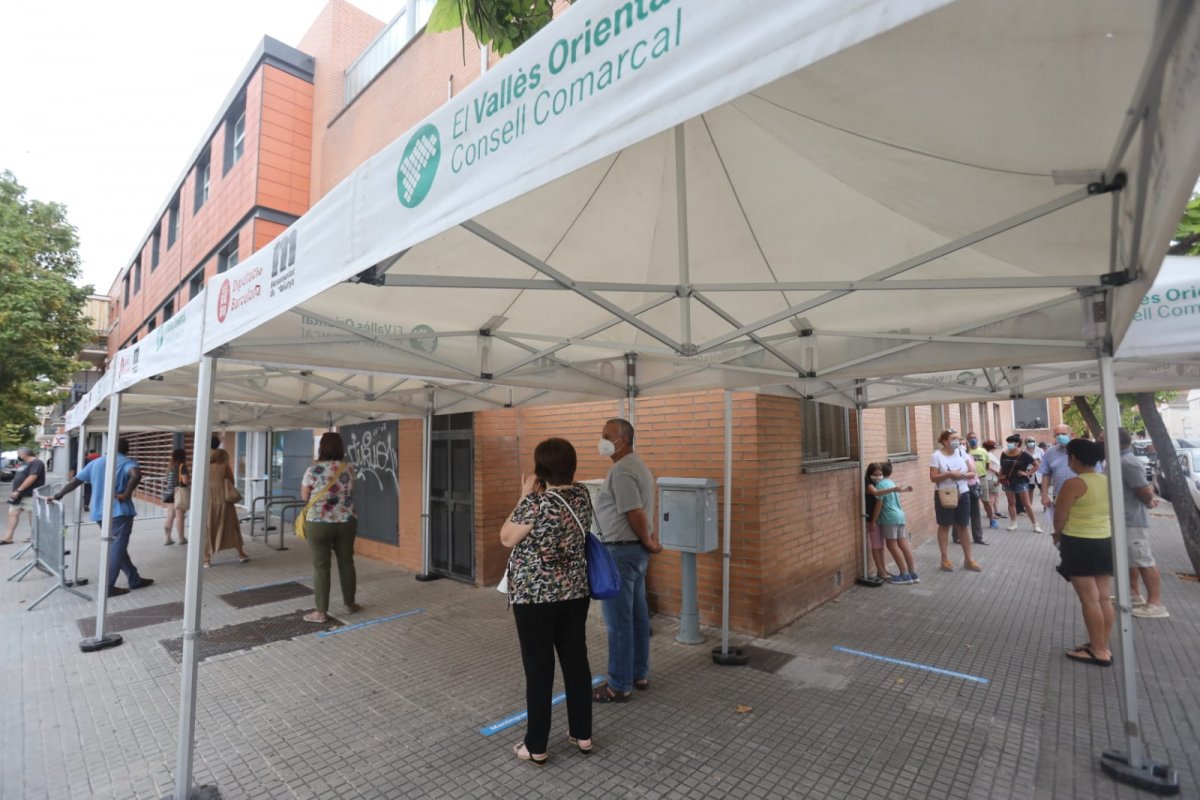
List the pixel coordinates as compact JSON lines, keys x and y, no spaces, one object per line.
{"x":223,"y":530}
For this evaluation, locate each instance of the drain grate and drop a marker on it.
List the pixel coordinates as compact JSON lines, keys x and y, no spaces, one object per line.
{"x":248,"y":635}
{"x":766,"y":660}
{"x":267,"y":594}
{"x":133,"y":618}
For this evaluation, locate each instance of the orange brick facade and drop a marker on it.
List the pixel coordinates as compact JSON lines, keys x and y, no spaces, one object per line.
{"x":796,"y":527}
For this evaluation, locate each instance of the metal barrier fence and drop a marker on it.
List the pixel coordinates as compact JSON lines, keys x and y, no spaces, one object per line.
{"x":49,"y":544}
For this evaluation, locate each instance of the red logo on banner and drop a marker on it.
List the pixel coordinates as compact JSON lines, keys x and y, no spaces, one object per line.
{"x":223,"y":301}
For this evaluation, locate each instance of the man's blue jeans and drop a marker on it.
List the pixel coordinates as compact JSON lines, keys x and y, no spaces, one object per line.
{"x":118,"y":553}
{"x":627,"y":619}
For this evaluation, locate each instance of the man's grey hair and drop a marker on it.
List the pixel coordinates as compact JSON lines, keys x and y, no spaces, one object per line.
{"x":623,"y":428}
{"x":1124,"y":437}
{"x":24,"y":451}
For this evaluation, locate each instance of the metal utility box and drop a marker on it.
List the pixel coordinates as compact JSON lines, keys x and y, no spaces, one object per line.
{"x":687,"y":514}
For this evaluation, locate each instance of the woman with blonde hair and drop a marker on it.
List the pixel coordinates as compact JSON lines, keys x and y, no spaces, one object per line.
{"x":176,"y":494}
{"x":223,"y":531}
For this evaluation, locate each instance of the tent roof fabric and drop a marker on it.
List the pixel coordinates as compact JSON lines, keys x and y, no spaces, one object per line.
{"x":676,"y":194}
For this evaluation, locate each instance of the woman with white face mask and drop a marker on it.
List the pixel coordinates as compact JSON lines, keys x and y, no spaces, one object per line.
{"x":949,"y":470}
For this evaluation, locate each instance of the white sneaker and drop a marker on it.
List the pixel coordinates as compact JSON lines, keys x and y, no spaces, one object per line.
{"x":1012,"y":527}
{"x":1148,"y":611}
{"x":1038,"y":529}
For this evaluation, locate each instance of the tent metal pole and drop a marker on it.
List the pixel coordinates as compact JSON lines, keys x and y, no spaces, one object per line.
{"x":426,"y":573}
{"x":198,"y":518}
{"x":862,"y":469}
{"x":681,"y":228}
{"x":1132,"y":766}
{"x":631,"y":388}
{"x":727,"y":523}
{"x":101,"y":640}
{"x":80,"y":462}
{"x":725,"y":655}
{"x":1116,"y":502}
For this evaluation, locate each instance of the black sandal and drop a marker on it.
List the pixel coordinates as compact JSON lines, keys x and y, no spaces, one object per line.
{"x":605,"y":694}
{"x":642,"y":685}
{"x":1090,"y":658}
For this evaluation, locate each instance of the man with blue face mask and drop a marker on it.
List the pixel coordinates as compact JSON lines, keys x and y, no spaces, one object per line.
{"x":1054,"y":470}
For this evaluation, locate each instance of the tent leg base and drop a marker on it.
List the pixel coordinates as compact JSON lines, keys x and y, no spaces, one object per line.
{"x":1159,"y":779}
{"x":101,"y":643}
{"x":199,"y":793}
{"x":874,"y":583}
{"x":733,"y":657}
{"x":427,"y":576}
{"x":76,"y":582}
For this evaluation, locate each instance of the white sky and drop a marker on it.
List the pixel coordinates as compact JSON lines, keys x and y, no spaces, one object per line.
{"x":102,"y":103}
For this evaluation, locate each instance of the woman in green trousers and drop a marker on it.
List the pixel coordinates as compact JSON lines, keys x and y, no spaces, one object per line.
{"x":330,"y":524}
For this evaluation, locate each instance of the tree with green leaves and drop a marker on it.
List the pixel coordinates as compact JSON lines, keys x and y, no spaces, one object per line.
{"x":1187,"y":235}
{"x":504,"y":25}
{"x":42,"y":325}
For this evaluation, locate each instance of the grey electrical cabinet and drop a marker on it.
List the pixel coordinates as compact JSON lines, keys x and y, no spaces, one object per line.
{"x":687,"y":514}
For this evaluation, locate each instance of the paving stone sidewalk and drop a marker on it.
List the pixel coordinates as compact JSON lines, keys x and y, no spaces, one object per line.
{"x":393,"y":710}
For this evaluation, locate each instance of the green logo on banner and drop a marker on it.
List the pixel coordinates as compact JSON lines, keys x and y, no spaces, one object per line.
{"x":418,"y":167}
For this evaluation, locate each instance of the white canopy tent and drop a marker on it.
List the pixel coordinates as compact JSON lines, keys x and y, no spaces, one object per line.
{"x":1160,"y":351}
{"x":662,"y":195}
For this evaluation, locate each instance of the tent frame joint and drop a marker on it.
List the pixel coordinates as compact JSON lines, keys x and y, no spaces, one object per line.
{"x":1103,"y":186}
{"x":1118,"y":278}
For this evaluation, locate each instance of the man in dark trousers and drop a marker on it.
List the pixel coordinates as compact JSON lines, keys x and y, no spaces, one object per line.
{"x":30,"y":474}
{"x":126,"y":480}
{"x":625,"y":511}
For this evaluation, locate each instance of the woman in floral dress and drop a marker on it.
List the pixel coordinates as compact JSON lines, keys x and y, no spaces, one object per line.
{"x":329,"y":523}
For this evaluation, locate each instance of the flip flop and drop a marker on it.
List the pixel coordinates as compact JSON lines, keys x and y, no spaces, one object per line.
{"x":311,"y":617}
{"x":643,"y":684}
{"x":1090,"y":658}
{"x":6,"y":541}
{"x":522,"y":752}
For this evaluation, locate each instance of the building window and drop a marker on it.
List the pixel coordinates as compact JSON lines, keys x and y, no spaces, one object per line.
{"x":235,"y":133}
{"x":996,"y":420}
{"x":155,"y":241}
{"x":203,"y":179}
{"x":125,"y":290}
{"x":964,"y":418}
{"x":169,"y":309}
{"x":985,"y":431}
{"x":938,"y":417}
{"x":137,"y":275}
{"x":825,"y":432}
{"x":152,"y":323}
{"x":173,"y":223}
{"x":227,"y":258}
{"x":1030,"y":413}
{"x":196,"y":284}
{"x":899,"y":435}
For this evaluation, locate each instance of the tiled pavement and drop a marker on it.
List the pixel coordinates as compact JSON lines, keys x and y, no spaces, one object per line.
{"x":394,"y":709}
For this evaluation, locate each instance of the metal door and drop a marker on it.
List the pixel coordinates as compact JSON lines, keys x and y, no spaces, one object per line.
{"x":452,"y":497}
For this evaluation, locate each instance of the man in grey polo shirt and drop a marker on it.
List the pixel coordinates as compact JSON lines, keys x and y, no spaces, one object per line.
{"x":1054,"y":472}
{"x":1139,"y":499}
{"x":625,"y":511}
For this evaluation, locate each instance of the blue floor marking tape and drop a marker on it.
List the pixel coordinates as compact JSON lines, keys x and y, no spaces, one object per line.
{"x":301,"y":579}
{"x":347,"y":628}
{"x":913,"y":664}
{"x":520,"y":716}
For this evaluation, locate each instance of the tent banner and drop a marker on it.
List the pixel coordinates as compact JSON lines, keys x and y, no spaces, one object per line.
{"x":1168,"y":321}
{"x":605,"y":75}
{"x":175,"y":344}
{"x":78,"y":413}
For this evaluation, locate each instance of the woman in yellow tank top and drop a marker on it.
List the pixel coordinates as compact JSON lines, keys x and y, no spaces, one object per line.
{"x":1083,"y":533}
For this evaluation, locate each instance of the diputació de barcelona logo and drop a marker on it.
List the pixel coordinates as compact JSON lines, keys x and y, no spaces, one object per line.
{"x":418,"y":166}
